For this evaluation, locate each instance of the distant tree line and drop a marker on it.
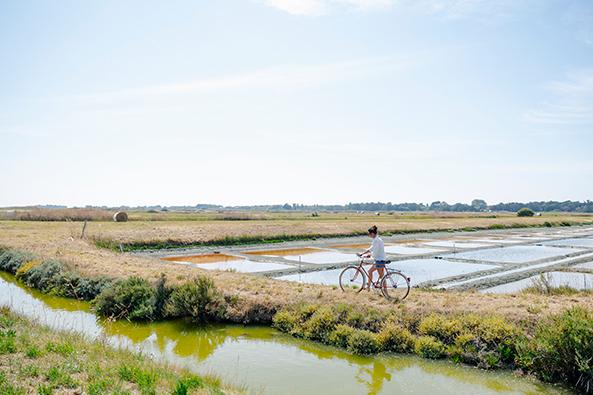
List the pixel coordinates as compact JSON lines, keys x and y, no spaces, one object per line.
{"x":476,"y":205}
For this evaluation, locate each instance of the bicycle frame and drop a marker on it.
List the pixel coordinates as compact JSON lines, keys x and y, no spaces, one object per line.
{"x":366,"y":273}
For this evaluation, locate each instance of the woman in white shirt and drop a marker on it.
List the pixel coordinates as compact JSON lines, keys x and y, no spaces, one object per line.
{"x":377,"y":252}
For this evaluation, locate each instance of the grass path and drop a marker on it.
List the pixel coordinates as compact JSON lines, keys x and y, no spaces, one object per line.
{"x":36,"y":359}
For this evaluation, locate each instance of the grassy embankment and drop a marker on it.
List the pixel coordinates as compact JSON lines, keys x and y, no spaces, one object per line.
{"x":56,"y":260}
{"x":34,"y":359}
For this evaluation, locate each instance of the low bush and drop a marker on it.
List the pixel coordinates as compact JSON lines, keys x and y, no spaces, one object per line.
{"x":199,"y":300}
{"x":525,"y":212}
{"x":562,"y":349}
{"x":162,"y":294}
{"x":54,"y":277}
{"x":429,"y":347}
{"x":363,"y":342}
{"x":11,"y":260}
{"x":285,"y":321}
{"x":132,"y":298}
{"x":340,"y":336}
{"x":320,"y":325}
{"x":396,"y":338}
{"x":440,"y":327}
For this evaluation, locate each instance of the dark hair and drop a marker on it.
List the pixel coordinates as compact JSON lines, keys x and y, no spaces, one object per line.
{"x":373,"y":230}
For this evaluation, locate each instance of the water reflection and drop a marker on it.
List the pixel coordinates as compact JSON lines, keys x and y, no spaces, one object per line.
{"x":373,"y":377}
{"x":264,"y":360}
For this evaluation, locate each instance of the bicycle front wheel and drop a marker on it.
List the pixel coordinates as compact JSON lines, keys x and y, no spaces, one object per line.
{"x":352,"y":279}
{"x":395,"y":286}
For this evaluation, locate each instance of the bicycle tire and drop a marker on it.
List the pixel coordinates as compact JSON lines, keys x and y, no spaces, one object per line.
{"x":352,"y":279}
{"x":395,"y":286}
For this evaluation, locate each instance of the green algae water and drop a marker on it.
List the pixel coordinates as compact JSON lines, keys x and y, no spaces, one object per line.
{"x":263,"y":359}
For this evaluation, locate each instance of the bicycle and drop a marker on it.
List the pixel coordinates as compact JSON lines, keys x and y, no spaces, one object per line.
{"x":394,"y":284}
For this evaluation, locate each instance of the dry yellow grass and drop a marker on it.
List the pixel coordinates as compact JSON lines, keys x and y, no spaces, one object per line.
{"x":189,"y":231}
{"x":61,"y":240}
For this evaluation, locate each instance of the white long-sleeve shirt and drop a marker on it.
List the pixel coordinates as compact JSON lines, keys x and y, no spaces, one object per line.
{"x":378,"y":249}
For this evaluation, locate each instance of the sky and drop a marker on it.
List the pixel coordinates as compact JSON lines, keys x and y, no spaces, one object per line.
{"x":240,"y":102}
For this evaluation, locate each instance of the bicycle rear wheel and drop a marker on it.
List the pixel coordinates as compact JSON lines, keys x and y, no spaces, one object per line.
{"x":352,"y":279}
{"x":395,"y":286}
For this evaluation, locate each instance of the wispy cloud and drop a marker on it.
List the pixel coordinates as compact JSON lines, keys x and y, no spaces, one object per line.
{"x":571,"y":102}
{"x":322,"y":7}
{"x":453,"y":9}
{"x":273,"y":78}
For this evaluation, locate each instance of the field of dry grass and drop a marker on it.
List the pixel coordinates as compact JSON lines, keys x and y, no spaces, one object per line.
{"x":62,"y":240}
{"x":207,"y":229}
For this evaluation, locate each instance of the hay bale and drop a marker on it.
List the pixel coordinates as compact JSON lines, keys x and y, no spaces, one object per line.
{"x":120,"y":216}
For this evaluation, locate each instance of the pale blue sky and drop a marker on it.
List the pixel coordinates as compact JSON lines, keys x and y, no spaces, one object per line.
{"x":311,"y":101}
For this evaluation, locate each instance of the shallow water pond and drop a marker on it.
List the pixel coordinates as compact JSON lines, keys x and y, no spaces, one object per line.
{"x":409,"y":250}
{"x":455,"y":244}
{"x":577,"y":242}
{"x":308,"y":255}
{"x":420,"y":270}
{"x":580,"y":281}
{"x":265,"y":360}
{"x":515,"y":254}
{"x":497,"y":241}
{"x":226,"y":262}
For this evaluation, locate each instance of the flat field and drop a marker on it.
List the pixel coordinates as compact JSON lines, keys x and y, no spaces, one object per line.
{"x":62,"y":240}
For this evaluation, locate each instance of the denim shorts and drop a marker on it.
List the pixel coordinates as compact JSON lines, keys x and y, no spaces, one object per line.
{"x":380,"y":264}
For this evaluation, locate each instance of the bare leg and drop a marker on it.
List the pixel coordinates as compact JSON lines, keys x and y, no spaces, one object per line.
{"x":381,"y":272}
{"x":371,"y":271}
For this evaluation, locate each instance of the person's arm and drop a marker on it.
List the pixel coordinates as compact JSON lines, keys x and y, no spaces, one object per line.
{"x":367,"y":252}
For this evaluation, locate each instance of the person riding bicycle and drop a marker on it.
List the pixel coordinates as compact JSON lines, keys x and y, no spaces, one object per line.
{"x":377,"y":252}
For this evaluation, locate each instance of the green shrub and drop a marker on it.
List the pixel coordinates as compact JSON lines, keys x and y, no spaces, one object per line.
{"x":443,"y":328}
{"x":495,"y":331}
{"x":396,"y":338}
{"x":162,"y":294}
{"x":363,"y":342}
{"x":525,"y":212}
{"x":11,"y":260}
{"x":64,"y":348}
{"x":320,"y":325}
{"x":7,"y":341}
{"x":562,"y":349}
{"x":466,"y":342}
{"x":44,"y":277}
{"x":132,"y":298}
{"x":365,"y":318}
{"x":186,"y":384}
{"x":55,"y":277}
{"x":340,"y":336}
{"x":58,"y":377}
{"x":285,"y":321}
{"x":146,"y":380}
{"x":199,"y":299}
{"x":32,"y":352}
{"x":429,"y":347}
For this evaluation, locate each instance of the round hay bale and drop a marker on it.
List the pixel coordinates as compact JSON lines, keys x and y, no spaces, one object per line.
{"x":120,"y":216}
